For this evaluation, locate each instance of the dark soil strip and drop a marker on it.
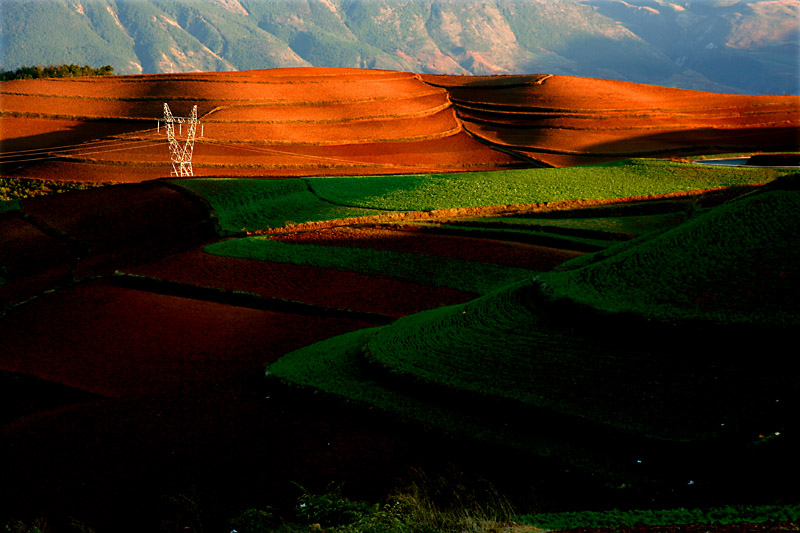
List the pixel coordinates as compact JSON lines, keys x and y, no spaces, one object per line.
{"x":549,"y":241}
{"x":240,"y":299}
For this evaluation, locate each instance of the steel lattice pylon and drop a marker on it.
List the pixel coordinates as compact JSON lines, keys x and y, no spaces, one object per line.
{"x":181,"y":155}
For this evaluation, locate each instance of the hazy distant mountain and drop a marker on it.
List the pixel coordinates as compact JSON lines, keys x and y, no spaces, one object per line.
{"x":722,"y":45}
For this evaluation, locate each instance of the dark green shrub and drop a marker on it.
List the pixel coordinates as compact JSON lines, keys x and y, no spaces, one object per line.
{"x":331,"y":509}
{"x":253,"y":521}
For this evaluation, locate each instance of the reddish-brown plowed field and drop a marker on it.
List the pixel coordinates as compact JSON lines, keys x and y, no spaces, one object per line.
{"x":404,"y":104}
{"x":79,"y":107}
{"x":288,"y":108}
{"x":314,"y":285}
{"x":520,"y":255}
{"x":122,"y":342}
{"x":89,"y":172}
{"x":25,"y":250}
{"x":218,"y":88}
{"x":32,"y":261}
{"x":443,"y":80}
{"x":438,"y":124}
{"x":125,"y":222}
{"x":19,"y":136}
{"x":563,"y":120}
{"x":131,"y":159}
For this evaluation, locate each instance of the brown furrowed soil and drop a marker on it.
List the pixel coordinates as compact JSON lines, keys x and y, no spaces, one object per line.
{"x":324,"y":287}
{"x":119,"y":342}
{"x":123,"y":224}
{"x":302,"y":122}
{"x":411,"y":240}
{"x":282,"y":122}
{"x":563,"y":120}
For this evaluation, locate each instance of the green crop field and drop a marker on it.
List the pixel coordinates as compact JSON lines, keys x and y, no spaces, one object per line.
{"x":623,"y":226}
{"x":638,"y":177}
{"x":248,"y":204}
{"x":709,"y":267}
{"x":438,"y":271}
{"x":624,"y":340}
{"x":260,"y":204}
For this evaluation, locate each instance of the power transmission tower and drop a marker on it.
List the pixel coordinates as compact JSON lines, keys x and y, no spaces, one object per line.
{"x":181,"y":155}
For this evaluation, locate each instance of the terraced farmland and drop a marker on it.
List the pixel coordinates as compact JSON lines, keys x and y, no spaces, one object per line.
{"x":585,"y":332}
{"x":562,"y":120}
{"x":282,"y":122}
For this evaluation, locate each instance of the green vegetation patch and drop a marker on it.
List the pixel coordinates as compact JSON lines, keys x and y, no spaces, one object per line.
{"x":734,"y":264}
{"x":751,"y":514}
{"x":421,"y":268}
{"x":532,"y":343}
{"x":540,"y":346}
{"x":55,"y":71}
{"x":637,"y":177}
{"x":624,"y":225}
{"x":519,"y":346}
{"x":10,"y":205}
{"x":336,"y":367}
{"x":253,"y":204}
{"x":12,"y":189}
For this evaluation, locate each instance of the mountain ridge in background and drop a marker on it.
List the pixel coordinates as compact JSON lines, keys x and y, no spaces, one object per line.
{"x":737,"y":46}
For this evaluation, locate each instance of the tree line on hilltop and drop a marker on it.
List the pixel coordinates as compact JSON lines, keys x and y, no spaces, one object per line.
{"x":55,"y":71}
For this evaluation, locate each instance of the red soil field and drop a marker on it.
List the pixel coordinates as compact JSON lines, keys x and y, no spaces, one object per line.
{"x":31,"y":260}
{"x":122,"y":342}
{"x":562,"y":120}
{"x":270,"y":115}
{"x":520,"y":255}
{"x":285,"y":108}
{"x":403,"y":105}
{"x":124,"y":223}
{"x":435,"y":125}
{"x":219,"y":86}
{"x":324,"y":287}
{"x":141,"y":158}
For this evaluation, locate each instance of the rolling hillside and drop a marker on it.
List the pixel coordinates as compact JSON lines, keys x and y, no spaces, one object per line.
{"x":315,"y":121}
{"x":746,"y":46}
{"x":426,"y":296}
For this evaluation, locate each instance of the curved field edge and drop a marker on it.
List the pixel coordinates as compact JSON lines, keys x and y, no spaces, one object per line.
{"x":335,"y":368}
{"x":554,"y":340}
{"x":715,"y":516}
{"x":735,"y":264}
{"x":626,"y":179}
{"x":459,"y":274}
{"x":521,"y":352}
{"x":251,"y":205}
{"x":550,"y":329}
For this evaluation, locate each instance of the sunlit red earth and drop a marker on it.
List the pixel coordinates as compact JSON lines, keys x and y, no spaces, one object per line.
{"x":175,"y":398}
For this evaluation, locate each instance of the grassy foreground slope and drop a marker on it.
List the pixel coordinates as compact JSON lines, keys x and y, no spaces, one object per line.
{"x":542,"y":347}
{"x":735,"y":264}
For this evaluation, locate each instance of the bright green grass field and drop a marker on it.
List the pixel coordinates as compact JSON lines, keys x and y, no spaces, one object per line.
{"x":637,"y":177}
{"x":254,"y":204}
{"x":432,"y":270}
